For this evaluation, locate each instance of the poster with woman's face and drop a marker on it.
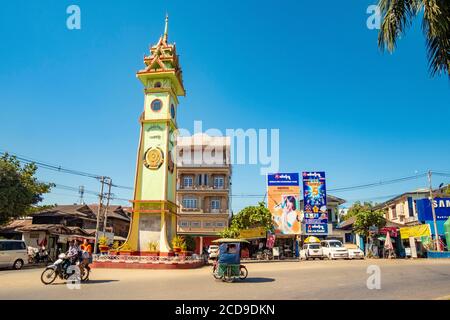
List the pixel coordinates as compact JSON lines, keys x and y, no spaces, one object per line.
{"x":286,"y":215}
{"x":283,"y":202}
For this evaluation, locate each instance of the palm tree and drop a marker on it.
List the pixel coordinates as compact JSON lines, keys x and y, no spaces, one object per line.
{"x":397,"y":17}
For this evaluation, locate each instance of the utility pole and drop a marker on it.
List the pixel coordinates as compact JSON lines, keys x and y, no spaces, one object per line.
{"x":108,"y":197}
{"x":102,"y":180}
{"x":438,"y":248}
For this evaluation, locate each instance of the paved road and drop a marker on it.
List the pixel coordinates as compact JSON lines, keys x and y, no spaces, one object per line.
{"x":400,"y":279}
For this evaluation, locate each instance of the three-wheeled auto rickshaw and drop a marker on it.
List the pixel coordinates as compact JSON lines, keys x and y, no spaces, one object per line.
{"x":228,"y":266}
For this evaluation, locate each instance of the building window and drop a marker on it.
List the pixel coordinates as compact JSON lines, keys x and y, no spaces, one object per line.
{"x":219,"y":182}
{"x":195,"y":224}
{"x":208,"y":224}
{"x":157,"y":84}
{"x":156,"y":105}
{"x":215,"y":204}
{"x":220,"y":224}
{"x":394,"y":212}
{"x":184,"y":224}
{"x":188,"y":181}
{"x":190,"y":203}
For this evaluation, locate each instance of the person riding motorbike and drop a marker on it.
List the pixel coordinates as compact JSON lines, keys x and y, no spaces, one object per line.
{"x":86,"y":255}
{"x":72,"y":254}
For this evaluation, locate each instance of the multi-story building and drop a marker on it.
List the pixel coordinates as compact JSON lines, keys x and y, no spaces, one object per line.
{"x":203,"y":187}
{"x":402,"y":209}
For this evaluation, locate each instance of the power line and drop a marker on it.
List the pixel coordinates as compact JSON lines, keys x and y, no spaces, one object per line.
{"x":376,"y":184}
{"x":59,"y":168}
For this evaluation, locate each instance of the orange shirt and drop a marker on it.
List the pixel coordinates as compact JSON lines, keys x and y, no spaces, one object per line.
{"x":87,"y":248}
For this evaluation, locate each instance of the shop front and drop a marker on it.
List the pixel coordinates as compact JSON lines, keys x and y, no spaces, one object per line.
{"x":416,"y":240}
{"x":286,"y":246}
{"x":257,"y":242}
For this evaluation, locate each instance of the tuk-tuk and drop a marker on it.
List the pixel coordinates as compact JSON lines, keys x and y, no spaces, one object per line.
{"x":228,"y":265}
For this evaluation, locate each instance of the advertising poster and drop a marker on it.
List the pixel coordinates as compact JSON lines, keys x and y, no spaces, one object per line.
{"x":283,"y":193}
{"x":315,"y":203}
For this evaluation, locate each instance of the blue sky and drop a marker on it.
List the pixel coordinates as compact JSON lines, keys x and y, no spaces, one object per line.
{"x":313,"y":71}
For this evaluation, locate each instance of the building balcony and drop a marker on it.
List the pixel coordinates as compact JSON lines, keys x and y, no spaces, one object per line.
{"x":202,"y":188}
{"x":202,"y":211}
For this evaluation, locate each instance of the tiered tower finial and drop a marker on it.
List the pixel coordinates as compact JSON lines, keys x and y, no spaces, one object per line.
{"x":166,"y":28}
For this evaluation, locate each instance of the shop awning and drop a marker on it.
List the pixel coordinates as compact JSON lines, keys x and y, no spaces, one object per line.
{"x":383,"y":238}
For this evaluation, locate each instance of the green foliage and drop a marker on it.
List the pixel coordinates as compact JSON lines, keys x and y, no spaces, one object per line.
{"x":356,"y":208}
{"x":366,"y":217}
{"x":229,"y":233}
{"x":398,"y":16}
{"x":125,"y":247}
{"x":20,"y":191}
{"x":177,"y":241}
{"x":153,"y":246}
{"x":249,"y":217}
{"x":190,"y":243}
{"x":103,"y":241}
{"x":116,"y":245}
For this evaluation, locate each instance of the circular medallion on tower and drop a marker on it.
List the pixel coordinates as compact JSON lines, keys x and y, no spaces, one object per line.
{"x":153,"y":158}
{"x":172,"y":111}
{"x":156,"y":105}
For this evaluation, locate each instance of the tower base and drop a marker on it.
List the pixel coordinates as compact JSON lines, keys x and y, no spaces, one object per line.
{"x":147,"y":262}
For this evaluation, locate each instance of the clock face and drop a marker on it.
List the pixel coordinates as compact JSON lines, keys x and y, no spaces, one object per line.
{"x":172,"y":111}
{"x":156,"y":105}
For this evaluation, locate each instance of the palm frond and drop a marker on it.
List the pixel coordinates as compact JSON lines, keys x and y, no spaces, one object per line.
{"x":436,"y":27}
{"x":397,"y":17}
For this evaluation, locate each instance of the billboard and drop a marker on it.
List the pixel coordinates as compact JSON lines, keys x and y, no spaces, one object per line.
{"x":283,"y":193}
{"x":422,"y":230}
{"x":441,"y":208}
{"x":315,"y":203}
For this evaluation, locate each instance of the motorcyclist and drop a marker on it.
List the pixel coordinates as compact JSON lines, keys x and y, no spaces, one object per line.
{"x":72,"y":254}
{"x":86,"y":256}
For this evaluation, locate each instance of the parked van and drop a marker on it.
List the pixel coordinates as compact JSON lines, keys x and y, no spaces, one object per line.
{"x":13,"y":254}
{"x":311,"y":251}
{"x":334,"y":249}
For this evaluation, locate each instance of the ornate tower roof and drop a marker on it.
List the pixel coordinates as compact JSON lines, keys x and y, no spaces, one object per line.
{"x":163,"y":63}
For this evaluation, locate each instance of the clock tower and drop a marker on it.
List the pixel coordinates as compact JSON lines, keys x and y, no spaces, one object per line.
{"x":154,"y":204}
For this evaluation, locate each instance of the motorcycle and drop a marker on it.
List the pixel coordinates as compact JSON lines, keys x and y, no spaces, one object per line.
{"x":64,"y":269}
{"x":264,"y":255}
{"x":38,"y":256}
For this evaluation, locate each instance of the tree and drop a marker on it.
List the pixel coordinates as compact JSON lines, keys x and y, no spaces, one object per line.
{"x":356,"y":208}
{"x":366,"y":217}
{"x":249,"y":217}
{"x":19,"y":189}
{"x":398,"y":15}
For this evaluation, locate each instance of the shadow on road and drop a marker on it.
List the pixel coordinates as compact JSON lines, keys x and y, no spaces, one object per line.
{"x":83,"y":283}
{"x":257,"y":280}
{"x":99,"y":281}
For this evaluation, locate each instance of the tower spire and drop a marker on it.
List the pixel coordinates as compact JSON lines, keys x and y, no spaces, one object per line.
{"x":166,"y":28}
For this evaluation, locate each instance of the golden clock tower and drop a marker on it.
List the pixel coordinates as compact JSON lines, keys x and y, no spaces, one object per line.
{"x":154,"y":204}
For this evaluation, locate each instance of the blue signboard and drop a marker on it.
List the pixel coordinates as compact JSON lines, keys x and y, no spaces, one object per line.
{"x":315,"y":203}
{"x":283,"y":179}
{"x":441,"y":208}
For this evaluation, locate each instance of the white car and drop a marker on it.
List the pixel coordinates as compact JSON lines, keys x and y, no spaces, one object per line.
{"x":13,"y":254}
{"x":354,"y":252}
{"x":311,"y":251}
{"x":334,"y":249}
{"x":213,"y":251}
